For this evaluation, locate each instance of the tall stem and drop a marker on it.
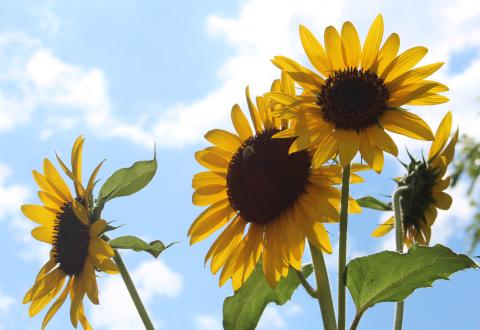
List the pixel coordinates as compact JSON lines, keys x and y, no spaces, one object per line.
{"x":342,"y":253}
{"x":397,"y":209}
{"x":133,"y":292}
{"x":324,"y":294}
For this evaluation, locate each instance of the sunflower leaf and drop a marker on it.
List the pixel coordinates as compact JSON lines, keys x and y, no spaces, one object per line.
{"x":136,"y":244}
{"x":373,"y":203}
{"x":244,"y":309}
{"x":390,"y":276}
{"x":127,"y":181}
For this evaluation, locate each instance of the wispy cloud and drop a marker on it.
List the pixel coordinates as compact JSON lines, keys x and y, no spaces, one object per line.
{"x":153,"y":279}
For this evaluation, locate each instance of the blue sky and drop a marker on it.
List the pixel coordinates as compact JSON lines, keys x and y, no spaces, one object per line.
{"x":126,"y":74}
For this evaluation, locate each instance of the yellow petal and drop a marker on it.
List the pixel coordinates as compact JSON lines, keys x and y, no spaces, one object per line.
{"x":80,"y":212}
{"x":314,"y":231}
{"x":441,"y":136}
{"x":257,"y":122}
{"x":384,"y":228}
{"x":325,"y":151}
{"x":208,"y":178}
{"x":91,"y":181}
{"x":50,"y":200}
{"x":406,"y":123}
{"x":225,"y":244}
{"x":409,"y":93}
{"x":97,"y":228}
{"x":99,"y":249}
{"x":388,"y":52}
{"x":350,"y":45}
{"x":429,"y":99}
{"x":403,"y":62}
{"x":77,"y":292}
{"x":348,"y":143}
{"x":379,"y":137}
{"x":89,"y":277}
{"x":210,"y":224}
{"x":442,"y":200}
{"x":107,"y":266}
{"x":372,"y":43}
{"x":333,"y":44}
{"x":414,"y":75}
{"x":43,"y":234}
{"x":372,"y":154}
{"x":211,"y":160}
{"x":315,"y":51}
{"x":449,"y":150}
{"x":303,"y":76}
{"x":224,"y":140}
{"x":56,"y":305}
{"x":208,"y":195}
{"x":76,"y":159}
{"x":42,"y":215}
{"x":56,"y":180}
{"x":240,"y":123}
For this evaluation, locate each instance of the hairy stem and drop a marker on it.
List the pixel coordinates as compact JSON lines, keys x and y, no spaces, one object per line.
{"x":342,"y":253}
{"x":133,"y":291}
{"x":324,"y":295}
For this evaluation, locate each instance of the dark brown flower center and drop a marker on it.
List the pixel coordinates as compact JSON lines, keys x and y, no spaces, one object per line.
{"x":264,"y":180}
{"x":71,"y":241}
{"x":353,"y":99}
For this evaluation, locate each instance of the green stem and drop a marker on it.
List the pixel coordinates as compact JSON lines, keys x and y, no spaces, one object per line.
{"x":133,"y":292}
{"x":397,"y":209}
{"x":342,"y":253}
{"x":308,"y":288}
{"x":324,"y":295}
{"x":356,"y":321}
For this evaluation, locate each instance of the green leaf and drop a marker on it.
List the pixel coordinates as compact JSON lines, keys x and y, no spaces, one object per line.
{"x":391,"y":276}
{"x":373,"y":203}
{"x":136,"y":244}
{"x":243,"y":310}
{"x":127,"y":181}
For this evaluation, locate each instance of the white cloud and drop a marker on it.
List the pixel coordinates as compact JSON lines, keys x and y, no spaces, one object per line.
{"x":11,"y":198}
{"x":207,"y":322}
{"x":277,"y":317}
{"x":46,"y":82}
{"x":116,"y":310}
{"x":6,"y":302}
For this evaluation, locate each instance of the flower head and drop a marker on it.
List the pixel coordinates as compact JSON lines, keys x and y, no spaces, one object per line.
{"x":77,"y":250}
{"x":269,"y":200}
{"x":356,"y":95}
{"x":426,"y":184}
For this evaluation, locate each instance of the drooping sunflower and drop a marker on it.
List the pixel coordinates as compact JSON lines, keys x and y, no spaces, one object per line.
{"x":356,"y":95}
{"x":426,"y":193}
{"x":77,"y":250}
{"x":269,"y":200}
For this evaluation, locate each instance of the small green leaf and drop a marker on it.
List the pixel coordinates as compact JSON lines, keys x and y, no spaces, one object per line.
{"x":127,"y":181}
{"x":243,"y":310}
{"x":136,"y":244}
{"x":391,"y":276}
{"x":373,"y":203}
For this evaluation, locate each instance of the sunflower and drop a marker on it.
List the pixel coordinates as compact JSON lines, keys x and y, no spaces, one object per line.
{"x":356,"y":95}
{"x":427,"y":185}
{"x":269,"y":200}
{"x":77,"y":250}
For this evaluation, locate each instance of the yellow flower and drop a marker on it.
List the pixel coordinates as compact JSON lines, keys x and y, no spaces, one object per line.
{"x":77,"y":250}
{"x":269,"y":200}
{"x":356,"y":95}
{"x":426,"y":193}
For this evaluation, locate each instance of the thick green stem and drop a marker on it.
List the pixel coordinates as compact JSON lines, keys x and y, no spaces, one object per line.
{"x":324,"y":295}
{"x":342,"y":251}
{"x":397,"y":209}
{"x":133,"y":292}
